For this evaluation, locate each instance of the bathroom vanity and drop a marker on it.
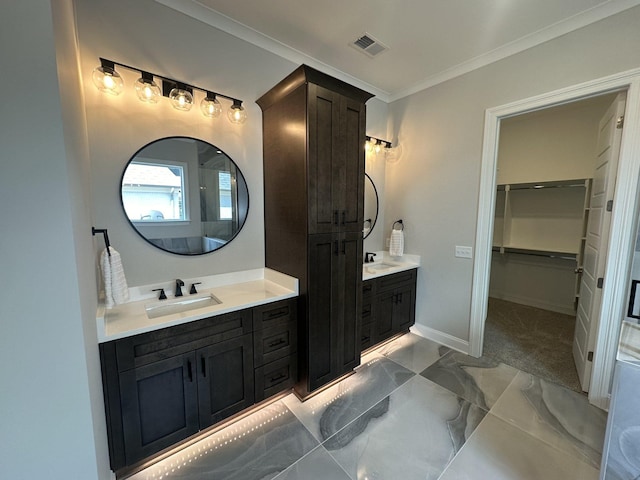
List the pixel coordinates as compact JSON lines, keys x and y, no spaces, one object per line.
{"x":167,"y":378}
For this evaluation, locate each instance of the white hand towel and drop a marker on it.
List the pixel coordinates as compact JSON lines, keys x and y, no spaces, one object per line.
{"x":396,"y":244}
{"x":116,"y":290}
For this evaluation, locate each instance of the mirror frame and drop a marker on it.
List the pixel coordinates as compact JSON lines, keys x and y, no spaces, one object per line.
{"x":375,"y":190}
{"x":241,"y":221}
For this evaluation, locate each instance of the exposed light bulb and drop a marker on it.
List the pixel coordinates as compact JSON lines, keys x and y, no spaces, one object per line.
{"x":106,"y":79}
{"x":367,"y":146}
{"x":237,"y":113}
{"x":147,"y":90}
{"x":210,"y":106}
{"x":181,"y":98}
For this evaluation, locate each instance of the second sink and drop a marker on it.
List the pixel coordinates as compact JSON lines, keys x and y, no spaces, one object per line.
{"x":162,"y":308}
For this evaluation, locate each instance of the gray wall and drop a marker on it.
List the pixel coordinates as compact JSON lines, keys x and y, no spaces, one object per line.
{"x":51,"y":413}
{"x":118,"y":126}
{"x":435,"y":186}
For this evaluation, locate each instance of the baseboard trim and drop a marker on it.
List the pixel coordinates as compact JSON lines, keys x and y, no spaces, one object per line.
{"x":532,"y":302}
{"x":442,"y":338}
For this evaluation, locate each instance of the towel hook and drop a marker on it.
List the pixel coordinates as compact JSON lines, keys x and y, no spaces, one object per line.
{"x":367,"y":220}
{"x":103,"y":231}
{"x":394,"y":224}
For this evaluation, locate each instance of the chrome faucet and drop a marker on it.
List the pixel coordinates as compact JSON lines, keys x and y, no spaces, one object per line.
{"x":179,"y":283}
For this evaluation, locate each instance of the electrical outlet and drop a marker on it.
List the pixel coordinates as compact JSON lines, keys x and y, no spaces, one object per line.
{"x":464,"y":252}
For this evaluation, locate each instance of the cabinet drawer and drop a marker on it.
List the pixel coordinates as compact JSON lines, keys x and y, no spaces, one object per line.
{"x":368,"y":287}
{"x":276,"y":377}
{"x":146,"y":348}
{"x":367,"y":314}
{"x":395,"y":280}
{"x":275,"y":313}
{"x":366,"y":339}
{"x":274,"y":342}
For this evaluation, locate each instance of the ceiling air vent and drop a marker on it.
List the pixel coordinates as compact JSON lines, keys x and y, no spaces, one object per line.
{"x":369,"y":45}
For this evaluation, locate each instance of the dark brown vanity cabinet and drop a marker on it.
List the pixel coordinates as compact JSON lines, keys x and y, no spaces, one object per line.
{"x":388,"y":307}
{"x":163,"y":386}
{"x":313,"y":138}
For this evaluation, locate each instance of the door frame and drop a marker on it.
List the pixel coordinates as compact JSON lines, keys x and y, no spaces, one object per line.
{"x":622,"y":230}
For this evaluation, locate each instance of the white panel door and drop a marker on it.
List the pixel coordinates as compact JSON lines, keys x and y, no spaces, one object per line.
{"x":597,"y":239}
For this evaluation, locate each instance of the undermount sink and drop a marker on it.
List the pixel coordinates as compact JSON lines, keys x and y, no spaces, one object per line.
{"x":166,"y":307}
{"x":380,"y":266}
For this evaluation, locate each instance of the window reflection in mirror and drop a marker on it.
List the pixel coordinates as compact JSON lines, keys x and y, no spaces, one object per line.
{"x":184,"y":195}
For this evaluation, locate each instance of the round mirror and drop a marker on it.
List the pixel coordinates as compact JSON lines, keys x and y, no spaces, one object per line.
{"x":370,"y":206}
{"x":184,"y":196}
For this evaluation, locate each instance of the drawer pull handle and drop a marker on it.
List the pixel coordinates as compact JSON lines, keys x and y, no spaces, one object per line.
{"x":189,"y":371}
{"x":344,"y":217}
{"x":276,"y":313}
{"x":277,"y":342}
{"x":279,"y":377}
{"x":203,"y":363}
{"x":335,"y":217}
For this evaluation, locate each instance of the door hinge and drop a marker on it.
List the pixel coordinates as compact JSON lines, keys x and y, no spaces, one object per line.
{"x":600,"y":282}
{"x":590,"y":356}
{"x":620,"y":122}
{"x":609,"y":205}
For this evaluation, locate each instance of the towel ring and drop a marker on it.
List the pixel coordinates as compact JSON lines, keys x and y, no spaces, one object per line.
{"x":401,"y":225}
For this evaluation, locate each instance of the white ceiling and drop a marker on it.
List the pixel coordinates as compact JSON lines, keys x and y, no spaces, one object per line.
{"x":429,"y":41}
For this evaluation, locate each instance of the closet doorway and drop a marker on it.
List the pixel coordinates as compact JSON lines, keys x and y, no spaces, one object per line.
{"x":554,"y":167}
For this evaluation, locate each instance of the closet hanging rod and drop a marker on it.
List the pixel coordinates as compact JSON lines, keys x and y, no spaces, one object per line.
{"x":535,"y":253}
{"x":580,"y":182}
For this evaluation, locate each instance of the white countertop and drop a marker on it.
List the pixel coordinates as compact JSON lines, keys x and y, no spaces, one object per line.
{"x":385,"y":264}
{"x":629,"y":346}
{"x":236,"y":291}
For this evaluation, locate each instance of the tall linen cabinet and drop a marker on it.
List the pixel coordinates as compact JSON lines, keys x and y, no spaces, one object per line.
{"x":313,"y":147}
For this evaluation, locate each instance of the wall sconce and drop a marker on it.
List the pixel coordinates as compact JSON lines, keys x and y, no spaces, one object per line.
{"x":108,"y":80}
{"x":376,"y":146}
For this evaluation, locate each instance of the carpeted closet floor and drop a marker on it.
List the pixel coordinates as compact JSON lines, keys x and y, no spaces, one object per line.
{"x":533,"y":340}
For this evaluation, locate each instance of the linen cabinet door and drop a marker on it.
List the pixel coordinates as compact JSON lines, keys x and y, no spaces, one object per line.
{"x":159,"y":405}
{"x":225,"y":379}
{"x":325,"y":162}
{"x":323,"y":317}
{"x":349,"y":301}
{"x":351,"y":208}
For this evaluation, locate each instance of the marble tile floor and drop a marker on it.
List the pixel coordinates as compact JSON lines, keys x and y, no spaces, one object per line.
{"x":413,"y":410}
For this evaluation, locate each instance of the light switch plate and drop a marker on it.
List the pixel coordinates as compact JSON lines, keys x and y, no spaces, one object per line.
{"x":464,"y":252}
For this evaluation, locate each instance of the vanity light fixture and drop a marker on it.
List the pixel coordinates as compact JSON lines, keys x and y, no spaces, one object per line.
{"x":376,"y":146}
{"x":147,"y":90}
{"x":108,"y":80}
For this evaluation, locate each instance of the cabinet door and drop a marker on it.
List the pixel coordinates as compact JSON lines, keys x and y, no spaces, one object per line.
{"x":323,"y":317}
{"x":159,"y":405}
{"x":353,"y":117}
{"x":325,"y":165}
{"x":404,"y":309}
{"x":384,"y":307}
{"x":349,"y":301}
{"x":225,"y":379}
